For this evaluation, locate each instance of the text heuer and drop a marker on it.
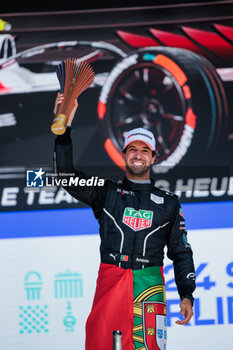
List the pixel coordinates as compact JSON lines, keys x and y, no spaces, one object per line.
{"x":137,"y":219}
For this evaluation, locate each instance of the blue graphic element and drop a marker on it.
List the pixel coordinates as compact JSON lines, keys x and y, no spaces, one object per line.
{"x":160,"y":333}
{"x":220,"y":311}
{"x":206,"y":283}
{"x":223,"y":316}
{"x":35,"y":178}
{"x":229,"y":270}
{"x":68,"y":285}
{"x":149,"y":57}
{"x":33,"y":285}
{"x":33,"y":319}
{"x":69,"y":320}
{"x":197,"y":313}
{"x":22,"y":224}
{"x":230,"y":309}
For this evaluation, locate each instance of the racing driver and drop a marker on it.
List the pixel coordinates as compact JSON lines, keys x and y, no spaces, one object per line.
{"x":136,"y":221}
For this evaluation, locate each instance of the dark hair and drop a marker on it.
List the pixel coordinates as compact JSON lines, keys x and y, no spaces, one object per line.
{"x":154,"y":153}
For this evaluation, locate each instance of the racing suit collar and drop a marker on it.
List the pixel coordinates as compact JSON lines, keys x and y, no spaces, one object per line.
{"x":137,"y":186}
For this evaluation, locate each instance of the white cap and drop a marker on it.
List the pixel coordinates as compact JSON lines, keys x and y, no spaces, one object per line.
{"x":140,"y":134}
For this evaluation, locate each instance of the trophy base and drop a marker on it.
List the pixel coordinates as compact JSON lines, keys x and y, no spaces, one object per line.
{"x":58,"y":126}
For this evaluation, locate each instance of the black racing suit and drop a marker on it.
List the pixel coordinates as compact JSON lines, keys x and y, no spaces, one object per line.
{"x":136,"y":221}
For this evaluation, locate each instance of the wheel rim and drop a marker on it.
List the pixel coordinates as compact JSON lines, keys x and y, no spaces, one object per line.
{"x":147,"y":96}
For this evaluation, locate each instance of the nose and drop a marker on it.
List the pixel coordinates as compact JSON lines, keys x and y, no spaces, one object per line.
{"x":138,"y":154}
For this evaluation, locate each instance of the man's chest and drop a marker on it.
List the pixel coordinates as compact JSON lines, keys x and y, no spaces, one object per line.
{"x":137,"y":210}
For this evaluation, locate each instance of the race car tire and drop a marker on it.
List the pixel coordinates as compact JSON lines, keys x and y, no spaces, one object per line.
{"x":175,"y":93}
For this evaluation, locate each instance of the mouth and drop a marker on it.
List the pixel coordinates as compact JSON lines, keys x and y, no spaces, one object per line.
{"x":137,"y":163}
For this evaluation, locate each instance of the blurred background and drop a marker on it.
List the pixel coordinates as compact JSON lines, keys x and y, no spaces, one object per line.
{"x":164,"y":66}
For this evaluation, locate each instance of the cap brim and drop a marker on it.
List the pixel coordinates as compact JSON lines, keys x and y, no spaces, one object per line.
{"x":151,"y":148}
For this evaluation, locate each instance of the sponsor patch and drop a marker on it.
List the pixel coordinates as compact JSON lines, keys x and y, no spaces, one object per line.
{"x":185,"y":238}
{"x":181,"y":213}
{"x":137,"y":219}
{"x":124,"y":258}
{"x":156,"y":199}
{"x":191,"y":276}
{"x":125,"y":192}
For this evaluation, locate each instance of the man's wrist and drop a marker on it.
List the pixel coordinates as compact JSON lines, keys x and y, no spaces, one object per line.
{"x":64,"y":139}
{"x":190,"y":297}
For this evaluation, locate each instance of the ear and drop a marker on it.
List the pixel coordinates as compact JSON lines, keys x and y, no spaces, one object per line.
{"x":153,"y":159}
{"x":123,"y":156}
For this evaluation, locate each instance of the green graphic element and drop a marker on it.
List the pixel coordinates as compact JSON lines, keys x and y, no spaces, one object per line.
{"x":68,"y":285}
{"x":69,"y":320}
{"x":185,"y":238}
{"x":147,"y":285}
{"x":142,"y":214}
{"x":33,"y":319}
{"x":33,"y":285}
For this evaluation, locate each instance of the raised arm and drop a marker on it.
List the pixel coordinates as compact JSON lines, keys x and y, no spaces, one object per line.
{"x":92,"y":195}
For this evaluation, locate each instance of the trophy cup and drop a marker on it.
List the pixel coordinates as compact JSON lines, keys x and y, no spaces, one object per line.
{"x":74,"y":78}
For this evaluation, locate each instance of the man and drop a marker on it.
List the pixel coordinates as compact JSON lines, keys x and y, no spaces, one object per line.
{"x":136,"y":221}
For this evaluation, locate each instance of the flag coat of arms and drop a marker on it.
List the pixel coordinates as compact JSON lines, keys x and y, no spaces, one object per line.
{"x":155,"y":325}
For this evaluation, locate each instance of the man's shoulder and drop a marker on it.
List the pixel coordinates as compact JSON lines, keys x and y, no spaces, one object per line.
{"x":165,"y":194}
{"x":111,"y":184}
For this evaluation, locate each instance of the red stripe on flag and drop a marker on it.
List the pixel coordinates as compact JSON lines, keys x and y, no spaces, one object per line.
{"x":112,"y":309}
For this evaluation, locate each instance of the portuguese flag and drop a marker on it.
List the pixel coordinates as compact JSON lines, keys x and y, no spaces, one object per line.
{"x":132,"y":301}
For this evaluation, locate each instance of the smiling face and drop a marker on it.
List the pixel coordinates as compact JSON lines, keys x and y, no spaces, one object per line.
{"x":138,"y":160}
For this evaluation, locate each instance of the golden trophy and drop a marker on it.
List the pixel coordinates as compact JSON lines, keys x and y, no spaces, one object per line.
{"x":74,"y":78}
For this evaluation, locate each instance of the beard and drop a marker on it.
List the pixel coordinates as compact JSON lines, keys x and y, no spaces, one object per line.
{"x":137,"y":171}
